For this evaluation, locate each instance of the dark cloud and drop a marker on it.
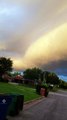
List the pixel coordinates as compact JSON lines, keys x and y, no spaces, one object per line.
{"x":60,"y":67}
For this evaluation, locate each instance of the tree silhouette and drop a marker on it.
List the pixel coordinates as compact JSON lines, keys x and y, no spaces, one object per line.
{"x":5,"y":65}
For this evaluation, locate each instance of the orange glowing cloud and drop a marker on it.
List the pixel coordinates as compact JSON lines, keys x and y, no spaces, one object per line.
{"x":48,"y":48}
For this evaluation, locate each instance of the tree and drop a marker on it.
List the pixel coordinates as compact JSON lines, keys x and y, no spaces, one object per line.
{"x":63,"y":84}
{"x":5,"y":65}
{"x":52,"y":78}
{"x":32,"y":74}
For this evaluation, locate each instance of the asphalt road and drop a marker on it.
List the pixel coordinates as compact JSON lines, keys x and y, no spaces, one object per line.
{"x":54,"y":107}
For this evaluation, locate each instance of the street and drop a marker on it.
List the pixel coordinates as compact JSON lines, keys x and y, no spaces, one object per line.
{"x":54,"y":107}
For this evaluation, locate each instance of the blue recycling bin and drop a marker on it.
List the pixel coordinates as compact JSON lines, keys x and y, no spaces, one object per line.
{"x":5,"y":101}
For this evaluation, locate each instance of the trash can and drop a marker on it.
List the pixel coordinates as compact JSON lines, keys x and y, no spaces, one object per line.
{"x":38,"y":88}
{"x":20,"y":101}
{"x":5,"y":101}
{"x":42,"y":92}
{"x":46,"y":92}
{"x":16,"y":105}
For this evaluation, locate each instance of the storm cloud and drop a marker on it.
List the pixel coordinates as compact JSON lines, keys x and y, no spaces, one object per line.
{"x":33,"y":33}
{"x":49,"y":51}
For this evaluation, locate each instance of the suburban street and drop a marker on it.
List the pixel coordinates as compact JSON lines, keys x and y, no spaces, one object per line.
{"x":54,"y":107}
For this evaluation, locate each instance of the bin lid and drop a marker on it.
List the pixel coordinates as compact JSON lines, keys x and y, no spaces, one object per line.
{"x":4,"y":101}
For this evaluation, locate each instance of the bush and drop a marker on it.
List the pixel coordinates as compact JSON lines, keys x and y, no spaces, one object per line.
{"x":63,"y":85}
{"x":54,"y":88}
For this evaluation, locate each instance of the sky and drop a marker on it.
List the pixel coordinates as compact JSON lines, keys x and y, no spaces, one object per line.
{"x":33,"y":33}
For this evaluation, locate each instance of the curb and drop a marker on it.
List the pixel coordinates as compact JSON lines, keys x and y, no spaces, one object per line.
{"x":33,"y":100}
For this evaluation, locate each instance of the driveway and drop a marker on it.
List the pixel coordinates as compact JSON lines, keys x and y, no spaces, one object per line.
{"x":54,"y":107}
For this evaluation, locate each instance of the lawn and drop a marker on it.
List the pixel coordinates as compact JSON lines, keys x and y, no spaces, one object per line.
{"x":29,"y":93}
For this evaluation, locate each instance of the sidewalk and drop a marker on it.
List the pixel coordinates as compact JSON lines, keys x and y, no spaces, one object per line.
{"x":32,"y":102}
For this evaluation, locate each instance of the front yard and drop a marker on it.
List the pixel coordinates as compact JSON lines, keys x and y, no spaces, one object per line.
{"x":29,"y":93}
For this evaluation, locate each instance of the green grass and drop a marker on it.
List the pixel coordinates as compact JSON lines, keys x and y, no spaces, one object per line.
{"x":29,"y":93}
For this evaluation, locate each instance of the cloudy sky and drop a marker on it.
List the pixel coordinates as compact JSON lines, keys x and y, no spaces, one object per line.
{"x":33,"y":33}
